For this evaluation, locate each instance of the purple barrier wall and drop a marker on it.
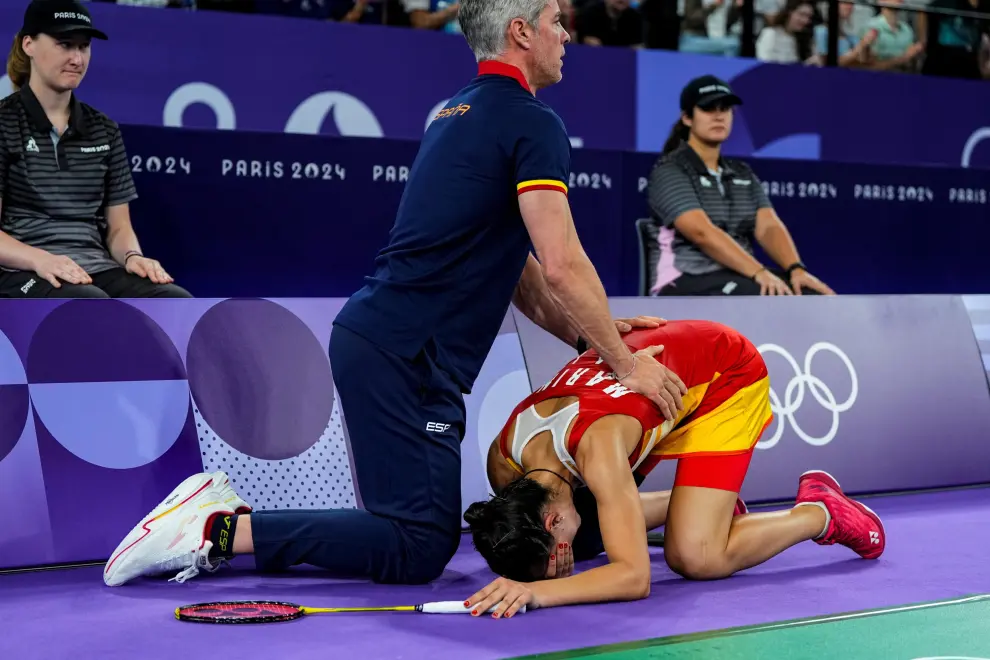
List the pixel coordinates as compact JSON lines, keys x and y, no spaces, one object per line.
{"x":112,"y":403}
{"x":115,"y":402}
{"x":886,"y":393}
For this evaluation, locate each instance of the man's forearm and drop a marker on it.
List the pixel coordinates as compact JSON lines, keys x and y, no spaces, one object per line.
{"x":581,"y":297}
{"x":533,"y":298}
{"x":17,"y":255}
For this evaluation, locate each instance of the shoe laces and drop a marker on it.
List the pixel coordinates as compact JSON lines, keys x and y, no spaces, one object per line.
{"x":191,"y":562}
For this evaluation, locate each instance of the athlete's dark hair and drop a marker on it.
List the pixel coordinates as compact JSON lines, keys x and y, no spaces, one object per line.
{"x":508,"y":531}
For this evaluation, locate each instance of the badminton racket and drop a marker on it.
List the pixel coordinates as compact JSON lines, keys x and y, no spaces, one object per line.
{"x":270,"y":611}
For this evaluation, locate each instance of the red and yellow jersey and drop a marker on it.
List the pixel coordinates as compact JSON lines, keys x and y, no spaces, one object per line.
{"x":725,"y":410}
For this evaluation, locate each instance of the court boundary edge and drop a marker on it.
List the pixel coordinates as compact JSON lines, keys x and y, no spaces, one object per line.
{"x":37,"y":568}
{"x":669,"y":640}
{"x":755,"y":506}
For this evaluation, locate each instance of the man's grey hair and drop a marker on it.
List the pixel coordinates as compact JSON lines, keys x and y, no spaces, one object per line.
{"x":485,"y":22}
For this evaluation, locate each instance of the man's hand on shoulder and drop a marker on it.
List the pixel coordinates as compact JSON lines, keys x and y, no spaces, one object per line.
{"x":656,"y":382}
{"x":627,"y":325}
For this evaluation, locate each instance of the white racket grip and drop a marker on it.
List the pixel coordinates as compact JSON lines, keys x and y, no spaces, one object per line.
{"x":455,"y":607}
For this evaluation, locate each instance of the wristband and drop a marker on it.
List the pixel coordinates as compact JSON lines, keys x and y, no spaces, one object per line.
{"x":797,"y":265}
{"x":132,"y":253}
{"x":620,"y":378}
{"x":581,"y":345}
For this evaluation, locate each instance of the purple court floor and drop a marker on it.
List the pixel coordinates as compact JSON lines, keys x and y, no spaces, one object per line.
{"x":937,"y":548}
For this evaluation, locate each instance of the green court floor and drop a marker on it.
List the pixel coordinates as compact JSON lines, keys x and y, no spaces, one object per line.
{"x":956,"y":629}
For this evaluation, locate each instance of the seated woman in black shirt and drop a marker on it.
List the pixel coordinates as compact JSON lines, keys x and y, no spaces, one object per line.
{"x":711,"y":209}
{"x":65,"y":182}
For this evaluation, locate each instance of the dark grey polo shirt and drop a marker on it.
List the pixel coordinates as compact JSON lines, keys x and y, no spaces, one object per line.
{"x":55,"y":190}
{"x":680,"y":182}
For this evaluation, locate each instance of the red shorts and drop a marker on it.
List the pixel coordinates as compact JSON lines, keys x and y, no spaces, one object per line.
{"x":724,"y":472}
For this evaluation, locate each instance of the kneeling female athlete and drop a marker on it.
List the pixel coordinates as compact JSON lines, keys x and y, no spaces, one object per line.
{"x":576,"y":450}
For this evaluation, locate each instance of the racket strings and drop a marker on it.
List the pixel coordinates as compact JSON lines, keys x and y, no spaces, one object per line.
{"x":239,"y":610}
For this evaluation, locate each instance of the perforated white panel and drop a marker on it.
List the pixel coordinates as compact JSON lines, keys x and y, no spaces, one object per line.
{"x":319,"y":478}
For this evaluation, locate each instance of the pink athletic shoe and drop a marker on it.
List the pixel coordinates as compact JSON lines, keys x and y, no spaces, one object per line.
{"x":852,"y":524}
{"x":740,"y":507}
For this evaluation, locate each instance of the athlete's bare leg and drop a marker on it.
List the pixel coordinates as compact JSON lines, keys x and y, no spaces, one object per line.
{"x":655,"y":508}
{"x":703,"y":541}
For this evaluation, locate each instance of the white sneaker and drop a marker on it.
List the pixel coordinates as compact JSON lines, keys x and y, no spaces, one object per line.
{"x":174,"y":535}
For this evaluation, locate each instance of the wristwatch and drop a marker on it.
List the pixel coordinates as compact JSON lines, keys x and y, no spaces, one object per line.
{"x":795,"y":266}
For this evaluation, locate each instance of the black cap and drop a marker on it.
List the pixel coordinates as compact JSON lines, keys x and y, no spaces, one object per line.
{"x":59,"y":17}
{"x":705,"y":91}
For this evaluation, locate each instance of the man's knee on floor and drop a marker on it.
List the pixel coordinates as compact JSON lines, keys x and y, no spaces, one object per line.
{"x":424,"y":569}
{"x":426,"y":561}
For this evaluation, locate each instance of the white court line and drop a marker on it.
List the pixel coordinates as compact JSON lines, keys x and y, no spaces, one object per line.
{"x":859,"y":615}
{"x":976,"y":302}
{"x":982,"y":331}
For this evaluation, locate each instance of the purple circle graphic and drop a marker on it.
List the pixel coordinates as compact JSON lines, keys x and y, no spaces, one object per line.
{"x":13,"y":397}
{"x":260,"y":378}
{"x":13,"y":416}
{"x":100,"y":341}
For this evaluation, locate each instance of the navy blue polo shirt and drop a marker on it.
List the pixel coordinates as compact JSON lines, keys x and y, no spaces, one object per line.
{"x":459,"y":245}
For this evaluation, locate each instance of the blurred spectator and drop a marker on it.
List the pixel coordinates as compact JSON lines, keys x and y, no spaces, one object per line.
{"x":788,"y":31}
{"x":568,"y":18}
{"x":233,"y":6}
{"x":891,"y":42}
{"x":355,"y":11}
{"x":149,"y":3}
{"x":853,"y":51}
{"x":711,"y":209}
{"x":705,"y":28}
{"x":179,"y":4}
{"x":433,"y":14}
{"x":953,"y":44}
{"x":610,"y":23}
{"x":661,"y":24}
{"x":787,"y":38}
{"x":346,"y":11}
{"x":765,"y":12}
{"x":858,"y":16}
{"x":369,"y":12}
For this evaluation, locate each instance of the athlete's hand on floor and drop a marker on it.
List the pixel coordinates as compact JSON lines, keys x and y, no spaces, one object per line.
{"x":656,"y":382}
{"x":561,"y":562}
{"x":626,"y":325}
{"x":506,"y":594}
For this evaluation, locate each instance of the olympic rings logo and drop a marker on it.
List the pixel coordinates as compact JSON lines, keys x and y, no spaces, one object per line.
{"x":795,"y":391}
